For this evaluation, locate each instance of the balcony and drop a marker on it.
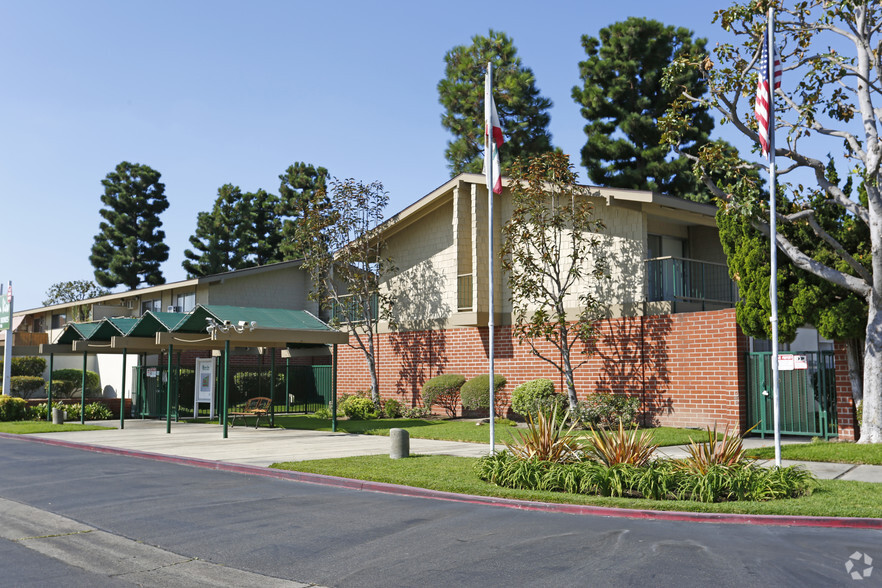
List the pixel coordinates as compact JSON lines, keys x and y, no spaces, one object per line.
{"x":464,"y":292}
{"x":702,"y":285}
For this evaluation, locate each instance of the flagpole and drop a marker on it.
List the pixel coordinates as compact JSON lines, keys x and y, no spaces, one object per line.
{"x":489,"y":144}
{"x":7,"y":344}
{"x":773,"y":282}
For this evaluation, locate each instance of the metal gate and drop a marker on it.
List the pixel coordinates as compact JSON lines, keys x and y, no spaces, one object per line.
{"x":297,"y":388}
{"x":807,"y":397}
{"x":151,"y":397}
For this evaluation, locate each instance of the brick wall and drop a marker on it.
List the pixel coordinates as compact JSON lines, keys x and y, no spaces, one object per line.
{"x":687,"y":368}
{"x":844,"y":404}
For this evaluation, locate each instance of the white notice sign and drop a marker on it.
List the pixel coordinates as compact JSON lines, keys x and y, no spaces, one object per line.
{"x":785,"y":362}
{"x":800,"y":362}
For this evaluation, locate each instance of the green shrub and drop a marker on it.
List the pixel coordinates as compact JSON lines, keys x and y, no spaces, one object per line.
{"x":94,"y":411}
{"x":657,"y":480}
{"x":28,"y":366}
{"x":535,"y":396}
{"x":97,"y":411}
{"x":604,"y":411}
{"x":475,"y":394}
{"x":26,"y":386}
{"x":75,"y":377}
{"x":62,"y":388}
{"x":392,"y":408}
{"x":444,"y":391}
{"x":13,"y":409}
{"x":359,"y":407}
{"x":323,"y":412}
{"x":417,"y":412}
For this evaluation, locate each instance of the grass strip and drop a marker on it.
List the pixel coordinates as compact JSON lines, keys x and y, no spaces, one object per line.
{"x":835,"y":498}
{"x":28,"y":427}
{"x":456,"y":429}
{"x":836,"y":452}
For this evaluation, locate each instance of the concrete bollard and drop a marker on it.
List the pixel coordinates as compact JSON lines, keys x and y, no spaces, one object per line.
{"x":57,"y":416}
{"x":400,"y":443}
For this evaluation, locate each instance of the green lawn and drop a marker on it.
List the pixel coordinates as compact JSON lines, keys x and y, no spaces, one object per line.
{"x":453,"y":429}
{"x":25,"y":427}
{"x":825,"y":451}
{"x":456,"y":474}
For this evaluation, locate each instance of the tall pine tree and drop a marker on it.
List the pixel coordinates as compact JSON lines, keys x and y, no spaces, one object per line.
{"x":129,"y":247}
{"x":219,"y":241}
{"x":240,"y":231}
{"x":622,"y":98}
{"x":523,"y":113}
{"x":303,"y":188}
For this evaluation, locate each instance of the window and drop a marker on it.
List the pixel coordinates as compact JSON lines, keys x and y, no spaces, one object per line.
{"x":664,"y":246}
{"x":186,"y":302}
{"x":151,"y":305}
{"x":59,"y":320}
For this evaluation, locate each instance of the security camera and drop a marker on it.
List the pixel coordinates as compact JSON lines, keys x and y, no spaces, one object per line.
{"x":227,"y":323}
{"x":243,"y":323}
{"x":253,"y":325}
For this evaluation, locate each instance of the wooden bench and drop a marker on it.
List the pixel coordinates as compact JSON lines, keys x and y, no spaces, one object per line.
{"x":256,"y":407}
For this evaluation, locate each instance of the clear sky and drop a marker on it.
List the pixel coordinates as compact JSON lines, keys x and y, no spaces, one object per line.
{"x":215,"y":92}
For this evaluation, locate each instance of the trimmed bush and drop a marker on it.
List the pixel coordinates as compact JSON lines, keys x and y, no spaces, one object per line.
{"x":475,"y":394}
{"x":444,"y":391}
{"x":604,"y":411}
{"x":359,"y":408}
{"x":75,"y":377}
{"x":28,"y":366}
{"x":323,"y":412}
{"x":392,"y":408}
{"x":13,"y":409}
{"x":535,"y":396}
{"x":26,"y":386}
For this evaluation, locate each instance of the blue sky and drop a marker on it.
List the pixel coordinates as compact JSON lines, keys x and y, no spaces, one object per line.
{"x":209,"y":93}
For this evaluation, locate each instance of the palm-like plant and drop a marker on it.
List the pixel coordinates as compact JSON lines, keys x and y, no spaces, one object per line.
{"x":614,"y":447}
{"x":546,"y":440}
{"x":727,"y":452}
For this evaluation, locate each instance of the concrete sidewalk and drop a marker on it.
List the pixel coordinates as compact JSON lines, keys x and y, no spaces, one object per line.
{"x":264,"y":446}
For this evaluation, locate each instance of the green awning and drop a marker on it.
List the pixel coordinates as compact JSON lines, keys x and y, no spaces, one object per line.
{"x":265,"y":318}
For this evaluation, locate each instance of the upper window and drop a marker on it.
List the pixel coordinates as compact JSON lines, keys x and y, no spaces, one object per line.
{"x":59,"y":320}
{"x":186,"y":302}
{"x":151,"y":305}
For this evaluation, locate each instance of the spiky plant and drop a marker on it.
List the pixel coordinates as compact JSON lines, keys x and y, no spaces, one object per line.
{"x":613,"y":447}
{"x":547,"y":440}
{"x":726,"y":452}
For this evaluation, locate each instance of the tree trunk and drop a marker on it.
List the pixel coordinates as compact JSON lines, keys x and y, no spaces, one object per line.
{"x":372,"y":366}
{"x":871,"y":425}
{"x":570,"y":381}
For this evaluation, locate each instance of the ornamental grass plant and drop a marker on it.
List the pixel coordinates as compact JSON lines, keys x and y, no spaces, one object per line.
{"x":546,"y":439}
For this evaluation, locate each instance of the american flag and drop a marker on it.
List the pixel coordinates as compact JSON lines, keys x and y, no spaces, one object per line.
{"x":763,"y":98}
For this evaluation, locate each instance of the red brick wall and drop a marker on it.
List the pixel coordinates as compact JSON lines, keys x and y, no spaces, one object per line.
{"x":844,"y":403}
{"x":687,"y":368}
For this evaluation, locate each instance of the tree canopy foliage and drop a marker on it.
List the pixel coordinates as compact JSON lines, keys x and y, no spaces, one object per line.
{"x":622,"y":98}
{"x":828,"y":104}
{"x":129,"y":246}
{"x":554,"y":259}
{"x":523,"y":112}
{"x":346,"y":263}
{"x":303,"y":188}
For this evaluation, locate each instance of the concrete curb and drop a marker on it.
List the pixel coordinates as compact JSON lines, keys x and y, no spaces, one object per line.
{"x":726,"y":518}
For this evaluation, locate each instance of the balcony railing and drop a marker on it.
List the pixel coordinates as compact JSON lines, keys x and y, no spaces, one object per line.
{"x":689,"y":280}
{"x":464,"y":292}
{"x":350,"y":307}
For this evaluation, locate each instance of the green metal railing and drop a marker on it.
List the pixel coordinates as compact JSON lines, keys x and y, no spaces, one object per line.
{"x":464,"y":292}
{"x":807,"y":397}
{"x":689,"y":280}
{"x":298,"y":388}
{"x":349,"y":306}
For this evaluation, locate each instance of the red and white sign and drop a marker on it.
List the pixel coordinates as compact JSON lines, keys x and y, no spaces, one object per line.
{"x":785,"y":362}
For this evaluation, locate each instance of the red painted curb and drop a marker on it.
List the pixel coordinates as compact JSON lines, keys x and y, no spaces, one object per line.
{"x":576,"y":509}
